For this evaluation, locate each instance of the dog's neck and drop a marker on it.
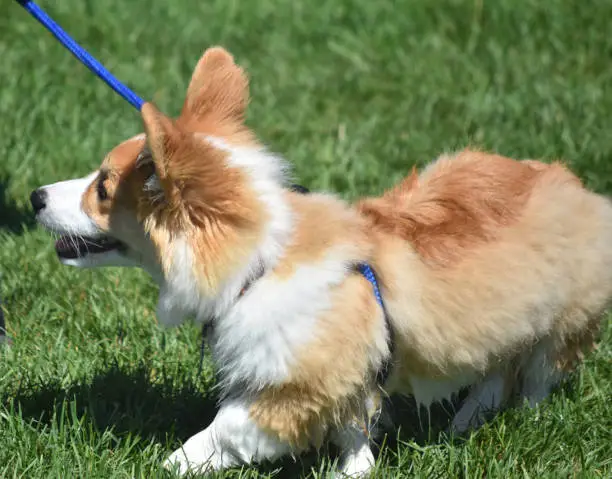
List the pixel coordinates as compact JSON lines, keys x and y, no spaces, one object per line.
{"x":180,"y":293}
{"x":260,"y":269}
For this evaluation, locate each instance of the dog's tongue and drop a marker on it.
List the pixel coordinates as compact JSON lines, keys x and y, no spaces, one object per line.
{"x":71,"y":247}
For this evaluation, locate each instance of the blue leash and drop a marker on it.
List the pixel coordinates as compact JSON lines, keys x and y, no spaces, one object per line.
{"x":84,"y":57}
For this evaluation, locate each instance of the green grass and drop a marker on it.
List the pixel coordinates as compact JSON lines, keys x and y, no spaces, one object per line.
{"x":353,"y":93}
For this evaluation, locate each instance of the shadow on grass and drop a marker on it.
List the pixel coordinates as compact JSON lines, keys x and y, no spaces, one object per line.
{"x":13,"y":218}
{"x":422,"y":427}
{"x":419,"y":425}
{"x":407,"y":423}
{"x":16,"y":220}
{"x":128,"y":402}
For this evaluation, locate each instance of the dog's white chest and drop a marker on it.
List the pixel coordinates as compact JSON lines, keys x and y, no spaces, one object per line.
{"x":268,"y":330}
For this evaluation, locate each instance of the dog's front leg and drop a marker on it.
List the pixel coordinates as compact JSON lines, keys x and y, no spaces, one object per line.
{"x":231,"y":439}
{"x":356,"y":458}
{"x":170,"y":312}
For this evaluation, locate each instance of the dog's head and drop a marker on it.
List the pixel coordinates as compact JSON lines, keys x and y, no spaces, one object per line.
{"x":190,"y":200}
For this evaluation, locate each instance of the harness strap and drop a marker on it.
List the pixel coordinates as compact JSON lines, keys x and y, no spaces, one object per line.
{"x":385,"y":369}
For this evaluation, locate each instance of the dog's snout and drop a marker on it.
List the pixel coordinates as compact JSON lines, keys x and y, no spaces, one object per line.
{"x":38,"y":198}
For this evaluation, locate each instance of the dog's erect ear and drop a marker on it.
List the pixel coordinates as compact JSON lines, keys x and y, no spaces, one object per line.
{"x":163,"y":140}
{"x":184,"y":171}
{"x":218,"y":88}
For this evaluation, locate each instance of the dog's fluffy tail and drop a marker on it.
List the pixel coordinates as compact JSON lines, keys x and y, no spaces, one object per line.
{"x":459,"y":201}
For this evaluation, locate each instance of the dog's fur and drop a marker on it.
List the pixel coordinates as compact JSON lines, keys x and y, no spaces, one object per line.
{"x":495,"y":274}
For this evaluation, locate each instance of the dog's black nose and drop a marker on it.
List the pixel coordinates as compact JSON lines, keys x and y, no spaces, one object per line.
{"x":38,"y":198}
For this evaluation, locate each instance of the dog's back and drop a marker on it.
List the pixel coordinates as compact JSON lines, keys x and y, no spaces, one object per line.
{"x":492,"y":264}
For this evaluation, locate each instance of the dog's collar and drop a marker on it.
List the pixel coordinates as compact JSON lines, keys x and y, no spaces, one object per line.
{"x":250,"y":281}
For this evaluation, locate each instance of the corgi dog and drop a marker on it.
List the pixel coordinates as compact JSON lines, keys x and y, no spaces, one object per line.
{"x":493,"y":275}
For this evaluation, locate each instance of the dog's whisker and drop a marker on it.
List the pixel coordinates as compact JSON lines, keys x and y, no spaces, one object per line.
{"x":85,"y":242}
{"x":73,"y":241}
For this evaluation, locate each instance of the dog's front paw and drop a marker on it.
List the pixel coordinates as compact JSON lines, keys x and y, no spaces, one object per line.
{"x":177,"y":462}
{"x":358,"y":464}
{"x":181,"y":462}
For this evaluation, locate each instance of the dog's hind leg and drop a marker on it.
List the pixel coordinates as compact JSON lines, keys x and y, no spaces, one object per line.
{"x":539,"y":373}
{"x":232,"y":439}
{"x":485,"y":398}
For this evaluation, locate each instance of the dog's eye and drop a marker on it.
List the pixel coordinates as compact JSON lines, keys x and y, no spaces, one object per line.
{"x":102,"y":193}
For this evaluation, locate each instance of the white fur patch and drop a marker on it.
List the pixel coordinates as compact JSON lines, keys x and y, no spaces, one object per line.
{"x":230,"y":440}
{"x":255,"y":342}
{"x":179,"y":294}
{"x":357,"y":459}
{"x":63,"y":212}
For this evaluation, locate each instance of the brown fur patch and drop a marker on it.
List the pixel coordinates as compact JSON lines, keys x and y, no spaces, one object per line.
{"x":205,"y":200}
{"x":457,"y":204}
{"x":333,"y":374}
{"x":320,"y":224}
{"x":217,"y":98}
{"x":573,"y":346}
{"x":121,"y":183}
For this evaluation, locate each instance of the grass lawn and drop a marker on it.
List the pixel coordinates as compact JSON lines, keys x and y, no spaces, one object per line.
{"x":353,"y":93}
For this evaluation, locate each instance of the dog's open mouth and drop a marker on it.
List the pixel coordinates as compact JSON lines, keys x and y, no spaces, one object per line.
{"x":72,"y":247}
